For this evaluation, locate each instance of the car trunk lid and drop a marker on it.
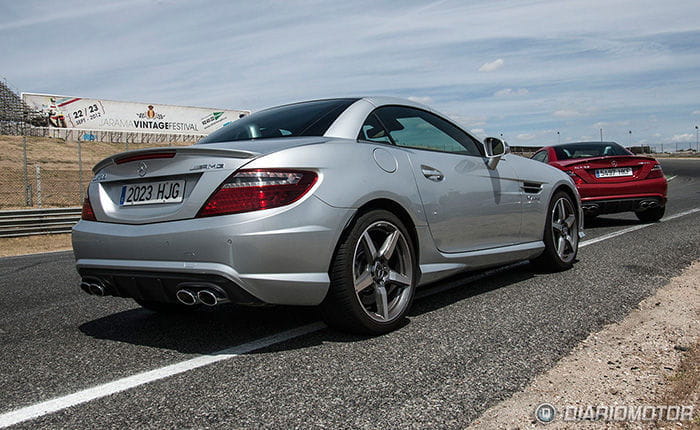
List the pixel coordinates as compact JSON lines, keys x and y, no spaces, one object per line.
{"x":172,"y":183}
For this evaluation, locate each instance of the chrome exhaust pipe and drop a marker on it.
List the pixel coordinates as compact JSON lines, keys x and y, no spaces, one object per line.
{"x":212,"y":297}
{"x":97,"y":289}
{"x":85,"y":286}
{"x":94,"y":286}
{"x":186,"y":297}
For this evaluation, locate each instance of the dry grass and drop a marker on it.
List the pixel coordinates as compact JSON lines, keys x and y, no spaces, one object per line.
{"x":60,"y":173}
{"x":33,"y":244}
{"x":59,"y":154}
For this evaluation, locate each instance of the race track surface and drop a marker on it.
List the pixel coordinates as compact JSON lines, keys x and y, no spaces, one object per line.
{"x":470,"y":342}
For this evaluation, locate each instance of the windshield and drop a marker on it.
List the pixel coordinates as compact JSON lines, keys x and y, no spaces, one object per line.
{"x":572,"y":151}
{"x":299,"y":119}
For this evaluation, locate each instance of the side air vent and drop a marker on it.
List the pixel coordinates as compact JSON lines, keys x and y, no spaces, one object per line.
{"x":531,"y":187}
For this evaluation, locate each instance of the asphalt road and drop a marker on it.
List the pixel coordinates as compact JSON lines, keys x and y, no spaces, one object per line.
{"x":463,"y":350}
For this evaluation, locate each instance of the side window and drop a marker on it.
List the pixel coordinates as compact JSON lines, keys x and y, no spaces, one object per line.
{"x":415,"y":128}
{"x":541,"y":156}
{"x":373,"y":131}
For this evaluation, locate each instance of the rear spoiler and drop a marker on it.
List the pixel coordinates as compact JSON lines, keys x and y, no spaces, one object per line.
{"x":169,"y":152}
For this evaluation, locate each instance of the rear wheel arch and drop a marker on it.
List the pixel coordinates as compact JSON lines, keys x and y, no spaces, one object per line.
{"x":387,"y":205}
{"x":399,"y":211}
{"x":570,"y":192}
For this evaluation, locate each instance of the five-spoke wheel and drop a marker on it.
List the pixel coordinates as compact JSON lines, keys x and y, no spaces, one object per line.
{"x":373,"y":275}
{"x":560,"y":234}
{"x":565,"y":229}
{"x":382,"y":271}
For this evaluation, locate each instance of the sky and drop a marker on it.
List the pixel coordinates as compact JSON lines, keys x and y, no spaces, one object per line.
{"x":524,"y":69}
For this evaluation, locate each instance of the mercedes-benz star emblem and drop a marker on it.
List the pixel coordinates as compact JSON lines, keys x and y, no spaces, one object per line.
{"x":143,"y":168}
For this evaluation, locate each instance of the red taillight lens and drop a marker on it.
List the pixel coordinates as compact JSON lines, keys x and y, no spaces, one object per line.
{"x":655,"y":172}
{"x":252,"y":190}
{"x":577,"y":179}
{"x":88,"y":214}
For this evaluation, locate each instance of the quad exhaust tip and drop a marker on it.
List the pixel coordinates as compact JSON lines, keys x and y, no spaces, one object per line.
{"x":191,"y":294}
{"x":97,"y":290}
{"x":94,"y":287}
{"x":186,"y":297}
{"x":85,"y":286}
{"x":211,"y":298}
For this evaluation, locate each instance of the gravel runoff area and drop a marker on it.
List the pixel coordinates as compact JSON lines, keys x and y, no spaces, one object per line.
{"x":12,"y":246}
{"x":648,"y":358}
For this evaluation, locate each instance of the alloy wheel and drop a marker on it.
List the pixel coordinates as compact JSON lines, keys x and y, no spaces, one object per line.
{"x":564,"y":229}
{"x":382,"y":271}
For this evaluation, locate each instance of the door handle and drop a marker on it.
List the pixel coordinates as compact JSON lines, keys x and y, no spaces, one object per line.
{"x":432,"y":173}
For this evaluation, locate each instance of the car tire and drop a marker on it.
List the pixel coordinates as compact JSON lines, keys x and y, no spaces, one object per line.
{"x":651,"y":215}
{"x":165,"y":308}
{"x":373,"y":276}
{"x":561,"y":225}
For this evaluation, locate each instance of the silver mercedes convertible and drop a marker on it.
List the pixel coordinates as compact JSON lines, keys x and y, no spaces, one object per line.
{"x":349,"y":204}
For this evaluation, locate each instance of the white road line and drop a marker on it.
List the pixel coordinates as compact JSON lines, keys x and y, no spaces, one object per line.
{"x":671,"y":178}
{"x":59,"y":403}
{"x":635,"y":228}
{"x":123,"y":384}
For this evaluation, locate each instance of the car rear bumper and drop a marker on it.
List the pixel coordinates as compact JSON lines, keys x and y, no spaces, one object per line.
{"x":277,"y":256}
{"x":619,"y":190}
{"x":622,"y":196}
{"x":599,"y":206}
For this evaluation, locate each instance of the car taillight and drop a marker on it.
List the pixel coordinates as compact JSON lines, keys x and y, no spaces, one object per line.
{"x":88,"y":214}
{"x":655,"y":172}
{"x":252,"y":190}
{"x":577,"y":179}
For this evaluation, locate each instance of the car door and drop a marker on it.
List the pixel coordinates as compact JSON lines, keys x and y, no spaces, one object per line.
{"x":468,"y":206}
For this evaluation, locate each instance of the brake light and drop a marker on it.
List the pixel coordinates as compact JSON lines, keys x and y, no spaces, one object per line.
{"x":656,"y":172}
{"x":150,"y":156}
{"x":576,"y":178}
{"x":87,"y":214}
{"x":252,"y":190}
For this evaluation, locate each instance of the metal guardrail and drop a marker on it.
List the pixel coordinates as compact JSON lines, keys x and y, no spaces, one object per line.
{"x":28,"y":222}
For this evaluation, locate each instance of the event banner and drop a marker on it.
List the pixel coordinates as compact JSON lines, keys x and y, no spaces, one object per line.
{"x":109,"y":115}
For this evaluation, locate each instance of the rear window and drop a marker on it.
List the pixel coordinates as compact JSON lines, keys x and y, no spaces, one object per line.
{"x":298,"y":119}
{"x":572,"y":151}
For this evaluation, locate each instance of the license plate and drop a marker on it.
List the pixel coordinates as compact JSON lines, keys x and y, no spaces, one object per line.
{"x":611,"y":173}
{"x":152,"y":192}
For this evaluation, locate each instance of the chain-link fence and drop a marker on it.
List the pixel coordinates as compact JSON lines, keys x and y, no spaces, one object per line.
{"x":53,"y":172}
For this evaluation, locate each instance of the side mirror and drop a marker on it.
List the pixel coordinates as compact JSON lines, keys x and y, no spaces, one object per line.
{"x":495,"y":149}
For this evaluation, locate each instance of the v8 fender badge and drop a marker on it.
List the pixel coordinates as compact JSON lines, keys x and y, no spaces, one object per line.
{"x":207,"y":166}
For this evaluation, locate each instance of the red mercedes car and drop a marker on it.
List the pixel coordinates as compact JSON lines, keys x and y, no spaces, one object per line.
{"x":610,"y":178}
